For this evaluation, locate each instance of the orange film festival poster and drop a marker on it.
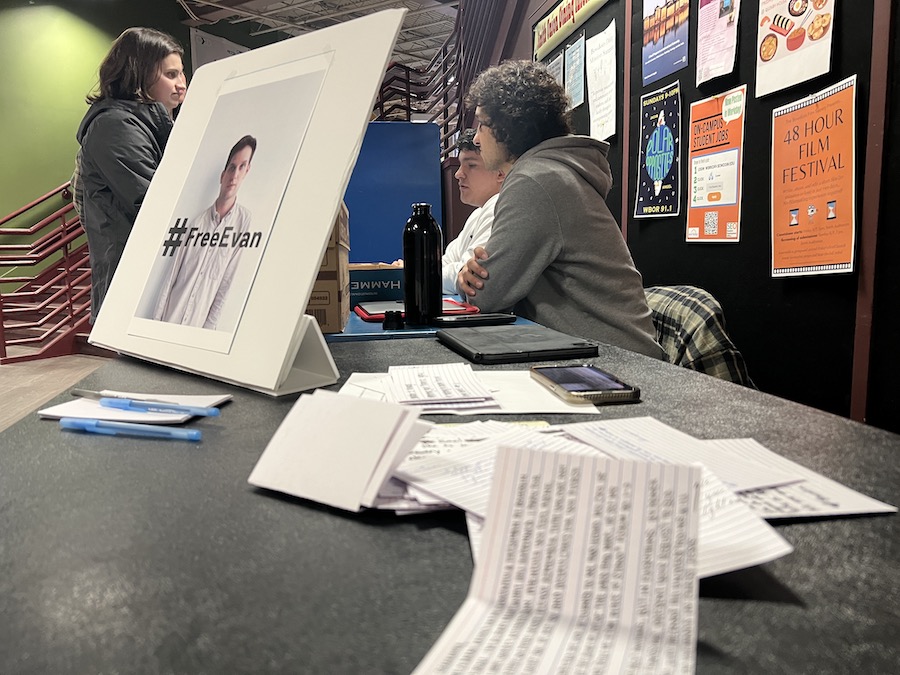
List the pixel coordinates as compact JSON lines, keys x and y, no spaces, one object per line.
{"x":813,"y":183}
{"x":716,"y":159}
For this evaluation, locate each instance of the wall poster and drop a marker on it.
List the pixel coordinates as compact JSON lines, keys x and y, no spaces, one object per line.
{"x":555,"y":66}
{"x":666,"y":28}
{"x":659,"y":154}
{"x":716,"y":167}
{"x":717,"y":28}
{"x":600,"y":67}
{"x":793,"y":42}
{"x":813,"y":183}
{"x":574,"y":75}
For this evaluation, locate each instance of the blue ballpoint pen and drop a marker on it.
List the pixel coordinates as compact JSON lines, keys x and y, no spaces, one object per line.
{"x":135,"y":405}
{"x":126,"y":429}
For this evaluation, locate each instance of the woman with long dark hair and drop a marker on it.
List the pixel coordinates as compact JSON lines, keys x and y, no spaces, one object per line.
{"x":122,"y":139}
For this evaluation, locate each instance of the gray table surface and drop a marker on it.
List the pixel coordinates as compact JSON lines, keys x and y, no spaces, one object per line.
{"x":143,"y":556}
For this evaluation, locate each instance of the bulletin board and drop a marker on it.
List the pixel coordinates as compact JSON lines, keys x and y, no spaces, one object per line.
{"x":797,"y":334}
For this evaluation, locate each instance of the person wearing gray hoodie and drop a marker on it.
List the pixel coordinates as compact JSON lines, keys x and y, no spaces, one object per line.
{"x":122,"y":138}
{"x":556,"y":255}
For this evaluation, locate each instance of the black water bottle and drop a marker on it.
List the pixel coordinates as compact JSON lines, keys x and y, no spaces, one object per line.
{"x":423,"y":246}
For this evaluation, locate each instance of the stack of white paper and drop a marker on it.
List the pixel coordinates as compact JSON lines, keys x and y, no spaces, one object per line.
{"x":405,"y":498}
{"x":90,"y":408}
{"x":438,"y":387}
{"x":731,"y":535}
{"x":589,"y":565}
{"x":318,"y":454}
{"x":511,"y":391}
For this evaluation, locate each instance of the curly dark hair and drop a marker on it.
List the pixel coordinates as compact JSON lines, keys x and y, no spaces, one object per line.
{"x":523,"y":102}
{"x":466,"y":141}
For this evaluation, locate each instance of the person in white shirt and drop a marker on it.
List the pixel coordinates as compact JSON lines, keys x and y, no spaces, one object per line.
{"x":477,"y":187}
{"x":209,"y":253}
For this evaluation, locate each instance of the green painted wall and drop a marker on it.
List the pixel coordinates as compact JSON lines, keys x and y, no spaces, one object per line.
{"x":50,"y":61}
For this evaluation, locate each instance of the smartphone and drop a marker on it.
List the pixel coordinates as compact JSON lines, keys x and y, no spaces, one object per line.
{"x":486,"y":319}
{"x":580,"y":384}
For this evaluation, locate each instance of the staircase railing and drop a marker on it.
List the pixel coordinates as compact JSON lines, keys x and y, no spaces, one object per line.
{"x":435,"y":94}
{"x":45,"y":279}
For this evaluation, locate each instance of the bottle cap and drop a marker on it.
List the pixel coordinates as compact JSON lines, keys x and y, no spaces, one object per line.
{"x":393,"y":321}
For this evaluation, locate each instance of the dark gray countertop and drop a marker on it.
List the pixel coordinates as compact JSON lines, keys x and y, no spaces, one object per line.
{"x":137,"y":555}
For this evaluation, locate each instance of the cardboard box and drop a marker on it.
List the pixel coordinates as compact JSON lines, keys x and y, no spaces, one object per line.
{"x":329,"y":304}
{"x":329,"y":301}
{"x":335,"y":259}
{"x":375,"y":282}
{"x":340,"y":234}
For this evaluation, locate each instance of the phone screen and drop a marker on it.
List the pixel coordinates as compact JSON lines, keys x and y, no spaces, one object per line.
{"x":581,"y":378}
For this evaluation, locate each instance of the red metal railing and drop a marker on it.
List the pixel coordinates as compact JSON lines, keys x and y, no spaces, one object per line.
{"x":45,"y":279}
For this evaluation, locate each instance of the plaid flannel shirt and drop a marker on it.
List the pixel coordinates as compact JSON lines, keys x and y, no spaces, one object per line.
{"x":690,"y":327}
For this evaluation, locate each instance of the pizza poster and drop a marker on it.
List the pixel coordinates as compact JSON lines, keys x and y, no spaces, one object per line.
{"x":813,"y":183}
{"x":659,"y":155}
{"x":793,"y":42}
{"x":716,"y":154}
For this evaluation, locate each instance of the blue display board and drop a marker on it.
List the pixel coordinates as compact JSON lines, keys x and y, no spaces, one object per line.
{"x":399,"y":164}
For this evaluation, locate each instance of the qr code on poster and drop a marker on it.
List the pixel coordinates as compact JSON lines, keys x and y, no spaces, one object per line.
{"x":710,"y":223}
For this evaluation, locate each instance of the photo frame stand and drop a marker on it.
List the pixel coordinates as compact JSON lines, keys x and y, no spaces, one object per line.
{"x":262,"y":339}
{"x":312,"y":367}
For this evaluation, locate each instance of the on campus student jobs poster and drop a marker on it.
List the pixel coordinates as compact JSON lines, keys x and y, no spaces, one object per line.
{"x":814,"y":183}
{"x":716,"y":155}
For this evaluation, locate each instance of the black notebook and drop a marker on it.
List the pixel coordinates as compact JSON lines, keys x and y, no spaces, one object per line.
{"x":515,"y":344}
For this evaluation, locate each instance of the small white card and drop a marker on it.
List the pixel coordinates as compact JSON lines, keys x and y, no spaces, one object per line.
{"x":337,"y":450}
{"x":86,"y":408}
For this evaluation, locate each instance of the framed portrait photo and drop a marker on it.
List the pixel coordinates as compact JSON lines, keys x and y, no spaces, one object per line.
{"x":223,"y":256}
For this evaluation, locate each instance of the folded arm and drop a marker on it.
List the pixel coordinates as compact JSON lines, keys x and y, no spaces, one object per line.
{"x":524,"y":241}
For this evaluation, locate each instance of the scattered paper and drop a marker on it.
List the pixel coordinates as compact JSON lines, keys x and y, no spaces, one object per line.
{"x":815,"y":496}
{"x":512,"y":392}
{"x":588,"y":566}
{"x":464,"y":477}
{"x":651,"y":439}
{"x":732,"y":537}
{"x":438,"y":383}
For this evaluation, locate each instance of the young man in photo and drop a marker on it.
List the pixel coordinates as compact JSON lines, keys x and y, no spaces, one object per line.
{"x":207,"y":259}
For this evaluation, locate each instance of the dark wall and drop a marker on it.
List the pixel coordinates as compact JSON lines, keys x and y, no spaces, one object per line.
{"x":796,"y":333}
{"x":597,"y":23}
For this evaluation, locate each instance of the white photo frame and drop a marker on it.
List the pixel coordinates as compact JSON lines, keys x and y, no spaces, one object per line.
{"x":306,"y":101}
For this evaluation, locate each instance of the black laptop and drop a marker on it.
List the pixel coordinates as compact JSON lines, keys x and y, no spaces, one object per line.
{"x":515,"y":344}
